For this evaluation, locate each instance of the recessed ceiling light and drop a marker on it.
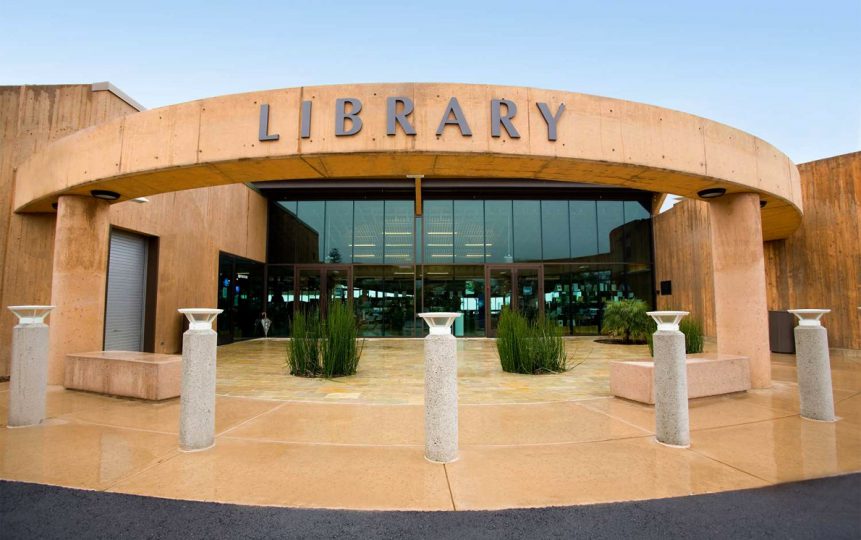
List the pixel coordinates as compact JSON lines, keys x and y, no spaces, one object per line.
{"x":105,"y":195}
{"x":711,"y":193}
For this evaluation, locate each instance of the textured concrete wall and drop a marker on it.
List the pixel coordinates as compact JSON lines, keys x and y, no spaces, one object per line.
{"x":192,"y":226}
{"x":600,"y":140}
{"x":818,"y":266}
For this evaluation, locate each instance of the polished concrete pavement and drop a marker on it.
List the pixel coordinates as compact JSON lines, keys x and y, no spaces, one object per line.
{"x":367,"y":453}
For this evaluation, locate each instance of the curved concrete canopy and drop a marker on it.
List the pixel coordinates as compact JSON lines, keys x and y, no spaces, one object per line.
{"x":599,"y":140}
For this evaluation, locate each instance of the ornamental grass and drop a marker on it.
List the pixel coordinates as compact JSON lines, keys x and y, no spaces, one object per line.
{"x":529,"y":347}
{"x":327,"y":347}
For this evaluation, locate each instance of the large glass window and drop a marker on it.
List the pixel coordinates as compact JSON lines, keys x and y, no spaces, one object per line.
{"x":313,"y":215}
{"x":611,"y":217}
{"x":399,"y":237}
{"x":368,"y":238}
{"x":457,"y":289}
{"x":498,"y":232}
{"x":384,"y":300}
{"x":527,"y":231}
{"x":400,"y":305}
{"x":439,"y":231}
{"x":280,"y":300}
{"x":339,"y":232}
{"x":573,"y":256}
{"x":369,"y":298}
{"x":469,"y":232}
{"x":554,"y":231}
{"x":584,"y":229}
{"x":240,"y":295}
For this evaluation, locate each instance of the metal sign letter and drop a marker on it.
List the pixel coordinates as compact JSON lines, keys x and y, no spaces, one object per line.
{"x":551,"y":119}
{"x":263,"y":133}
{"x":394,"y":117}
{"x":453,"y":108}
{"x":497,"y":118}
{"x":341,"y":116}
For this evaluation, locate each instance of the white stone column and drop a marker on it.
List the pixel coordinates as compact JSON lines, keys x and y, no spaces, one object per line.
{"x":672,"y":426}
{"x":28,"y":381}
{"x":440,"y":388}
{"x":813,"y":365}
{"x":197,"y":397}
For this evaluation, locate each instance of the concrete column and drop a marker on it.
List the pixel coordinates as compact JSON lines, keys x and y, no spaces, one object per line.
{"x":79,"y":279}
{"x":741,"y":312}
{"x":29,"y":375}
{"x":672,"y":426}
{"x":813,"y":366}
{"x":441,"y":444}
{"x":197,"y":397}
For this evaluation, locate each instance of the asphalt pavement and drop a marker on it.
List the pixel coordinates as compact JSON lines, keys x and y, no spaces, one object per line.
{"x":823,"y":508}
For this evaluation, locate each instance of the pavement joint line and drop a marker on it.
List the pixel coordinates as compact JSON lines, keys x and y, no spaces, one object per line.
{"x":847,"y":397}
{"x":620,"y":419}
{"x":318,"y":443}
{"x":228,"y":430}
{"x":113,"y":426}
{"x":448,"y":484}
{"x":731,"y":466}
{"x":795,"y":415}
{"x":164,"y":458}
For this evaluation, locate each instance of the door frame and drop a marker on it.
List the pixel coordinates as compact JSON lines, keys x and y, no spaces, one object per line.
{"x":515,"y":269}
{"x":323,"y":270}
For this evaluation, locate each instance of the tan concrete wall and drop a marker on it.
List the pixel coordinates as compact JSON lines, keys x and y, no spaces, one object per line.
{"x":229,"y":218}
{"x":600,"y":140}
{"x":683,"y":255}
{"x":192,"y":227}
{"x":818,"y":266}
{"x":31,"y":117}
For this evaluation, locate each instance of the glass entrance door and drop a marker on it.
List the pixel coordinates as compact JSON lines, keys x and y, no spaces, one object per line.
{"x":518,"y":286}
{"x":318,"y":285}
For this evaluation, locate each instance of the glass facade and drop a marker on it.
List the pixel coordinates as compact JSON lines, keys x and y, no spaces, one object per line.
{"x":557,"y":257}
{"x":240,"y":295}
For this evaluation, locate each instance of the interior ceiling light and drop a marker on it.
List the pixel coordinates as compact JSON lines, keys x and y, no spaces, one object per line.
{"x":711,"y":193}
{"x":105,"y":195}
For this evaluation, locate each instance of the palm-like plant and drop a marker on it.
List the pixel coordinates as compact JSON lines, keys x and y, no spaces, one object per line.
{"x":626,"y":319}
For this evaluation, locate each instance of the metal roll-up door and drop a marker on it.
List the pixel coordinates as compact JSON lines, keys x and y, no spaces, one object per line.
{"x":124,"y":310}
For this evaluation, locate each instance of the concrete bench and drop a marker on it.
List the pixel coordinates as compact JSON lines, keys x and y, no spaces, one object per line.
{"x":122,"y":373}
{"x":708,"y":375}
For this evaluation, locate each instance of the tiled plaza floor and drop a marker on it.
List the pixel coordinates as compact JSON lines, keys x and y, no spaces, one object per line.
{"x":525,"y":441}
{"x":392,"y":371}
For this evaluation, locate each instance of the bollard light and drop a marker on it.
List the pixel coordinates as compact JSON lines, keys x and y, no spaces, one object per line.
{"x":28,"y":380}
{"x":197,"y":395}
{"x":440,"y":388}
{"x":813,"y":362}
{"x":672,"y":425}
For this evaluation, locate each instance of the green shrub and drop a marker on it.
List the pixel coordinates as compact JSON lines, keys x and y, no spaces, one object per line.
{"x":529,"y":347}
{"x":327,"y":348}
{"x":627,"y":319}
{"x":693,"y":331}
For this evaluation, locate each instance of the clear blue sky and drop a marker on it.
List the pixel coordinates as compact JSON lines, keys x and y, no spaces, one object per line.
{"x":789,"y":72}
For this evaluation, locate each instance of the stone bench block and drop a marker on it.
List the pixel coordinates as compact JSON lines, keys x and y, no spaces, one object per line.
{"x":708,"y":375}
{"x":122,"y":373}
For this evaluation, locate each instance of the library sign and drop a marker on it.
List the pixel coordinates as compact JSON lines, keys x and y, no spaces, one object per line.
{"x":348,"y":118}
